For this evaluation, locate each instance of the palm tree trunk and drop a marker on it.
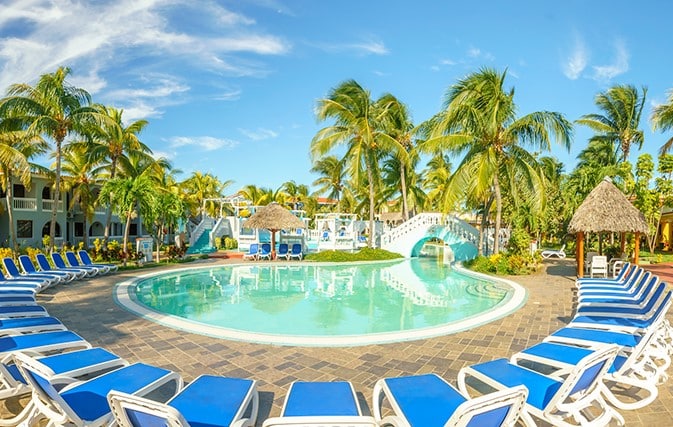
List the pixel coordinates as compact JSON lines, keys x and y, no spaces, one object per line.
{"x":403,"y":181}
{"x":108,"y":210}
{"x":498,"y":214}
{"x":370,"y":177}
{"x":484,"y":223}
{"x":10,"y":212}
{"x":85,"y":238}
{"x":57,"y":195}
{"x":127,"y":228}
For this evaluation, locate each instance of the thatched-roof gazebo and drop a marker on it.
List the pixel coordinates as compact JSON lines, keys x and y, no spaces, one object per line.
{"x":273,"y":217}
{"x":606,"y":209}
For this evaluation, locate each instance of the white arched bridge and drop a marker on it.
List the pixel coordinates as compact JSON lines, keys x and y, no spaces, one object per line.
{"x":408,"y":238}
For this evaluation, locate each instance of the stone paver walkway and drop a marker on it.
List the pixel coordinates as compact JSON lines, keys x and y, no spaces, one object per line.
{"x":88,"y":309}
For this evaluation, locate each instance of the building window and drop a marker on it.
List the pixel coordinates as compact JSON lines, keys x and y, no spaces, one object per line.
{"x":79,"y":229}
{"x":46,"y":193}
{"x":24,"y":229}
{"x":133,"y":230}
{"x":45,"y":229}
{"x":19,"y":190}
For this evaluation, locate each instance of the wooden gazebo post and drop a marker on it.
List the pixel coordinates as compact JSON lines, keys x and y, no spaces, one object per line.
{"x":636,"y":249}
{"x":579,"y":254}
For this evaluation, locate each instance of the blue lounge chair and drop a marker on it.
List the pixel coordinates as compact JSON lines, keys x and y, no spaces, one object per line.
{"x":9,"y":285}
{"x":14,"y":311}
{"x":17,"y":299}
{"x":41,"y":342}
{"x":283,"y":251}
{"x":641,"y":308}
{"x":43,"y":262}
{"x":640,"y":364}
{"x":86,"y":260}
{"x":13,"y":272}
{"x":84,"y":403}
{"x":296,"y":252}
{"x":428,"y":400}
{"x":264,"y":251}
{"x":74,"y":262}
{"x":60,"y":264}
{"x":561,"y":401}
{"x":627,"y":273}
{"x":30,"y":325}
{"x":211,"y":401}
{"x":321,"y":403}
{"x":632,"y":292}
{"x":628,"y":286}
{"x":29,"y":268}
{"x":253,"y":252}
{"x":88,"y":362}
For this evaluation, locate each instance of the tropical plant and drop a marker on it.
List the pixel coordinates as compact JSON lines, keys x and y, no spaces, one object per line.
{"x":358,"y":126}
{"x":17,"y":147}
{"x":479,"y":119}
{"x":622,"y":106}
{"x":662,"y":119}
{"x":125,"y":195}
{"x":332,"y":179}
{"x":110,"y":143}
{"x":258,"y":196}
{"x":55,"y":109}
{"x":435,"y":180}
{"x":80,"y":179}
{"x":202,"y":191}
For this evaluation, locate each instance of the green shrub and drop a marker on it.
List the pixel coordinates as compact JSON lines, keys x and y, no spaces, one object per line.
{"x":365,"y":254}
{"x":218,"y":243}
{"x":504,"y":264}
{"x":230,"y":243}
{"x":519,"y":242}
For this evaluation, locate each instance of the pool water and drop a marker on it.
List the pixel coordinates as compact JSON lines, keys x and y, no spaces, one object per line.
{"x":317,"y":300}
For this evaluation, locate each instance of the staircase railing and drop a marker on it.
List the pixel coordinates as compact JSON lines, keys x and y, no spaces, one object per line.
{"x":427,"y":220}
{"x":221,"y":227}
{"x":206,"y":222}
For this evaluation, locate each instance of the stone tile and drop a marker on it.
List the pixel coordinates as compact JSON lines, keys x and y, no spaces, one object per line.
{"x":88,"y":308}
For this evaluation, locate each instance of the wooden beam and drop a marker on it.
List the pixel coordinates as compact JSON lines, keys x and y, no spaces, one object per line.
{"x":579,"y":254}
{"x":636,"y":250}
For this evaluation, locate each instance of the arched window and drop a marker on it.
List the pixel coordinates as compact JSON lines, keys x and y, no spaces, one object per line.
{"x":46,"y":193}
{"x":45,"y":229}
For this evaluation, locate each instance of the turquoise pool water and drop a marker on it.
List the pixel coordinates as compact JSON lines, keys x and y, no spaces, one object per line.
{"x":332,"y":302}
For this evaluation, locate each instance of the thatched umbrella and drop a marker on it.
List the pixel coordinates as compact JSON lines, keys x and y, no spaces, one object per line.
{"x":606,"y":209}
{"x":273,"y":217}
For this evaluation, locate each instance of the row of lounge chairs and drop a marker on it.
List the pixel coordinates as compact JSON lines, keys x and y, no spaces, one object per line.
{"x":258,"y":252}
{"x":44,"y":275}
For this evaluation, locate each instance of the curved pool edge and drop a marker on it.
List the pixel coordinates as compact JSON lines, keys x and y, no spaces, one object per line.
{"x":122,"y":297}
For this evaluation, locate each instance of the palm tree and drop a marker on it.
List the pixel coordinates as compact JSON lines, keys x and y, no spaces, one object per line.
{"x":435,"y":180}
{"x":200,"y":187}
{"x":662,"y":119}
{"x":479,"y":120}
{"x":55,"y":109}
{"x":79,"y":178}
{"x":110,"y":144}
{"x":332,"y":178}
{"x":258,"y":196}
{"x":622,"y":107}
{"x":295,"y":193}
{"x":398,"y":124}
{"x":17,"y":147}
{"x":125,"y":195}
{"x":358,"y":126}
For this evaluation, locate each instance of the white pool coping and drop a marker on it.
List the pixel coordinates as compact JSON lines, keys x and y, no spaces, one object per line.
{"x":122,"y":295}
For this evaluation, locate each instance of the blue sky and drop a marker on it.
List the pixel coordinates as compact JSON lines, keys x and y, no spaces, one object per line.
{"x":230,"y":87}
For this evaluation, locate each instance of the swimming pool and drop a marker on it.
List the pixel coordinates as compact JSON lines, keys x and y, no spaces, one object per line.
{"x":320,"y":304}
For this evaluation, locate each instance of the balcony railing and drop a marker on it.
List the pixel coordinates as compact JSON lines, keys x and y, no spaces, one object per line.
{"x":25,"y":204}
{"x":47,"y":205}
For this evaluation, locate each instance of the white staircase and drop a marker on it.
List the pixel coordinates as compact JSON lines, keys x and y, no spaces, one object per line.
{"x":453,"y":230}
{"x":205,"y":224}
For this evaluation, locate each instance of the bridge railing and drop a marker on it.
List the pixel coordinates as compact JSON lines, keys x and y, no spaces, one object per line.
{"x":425,"y":220}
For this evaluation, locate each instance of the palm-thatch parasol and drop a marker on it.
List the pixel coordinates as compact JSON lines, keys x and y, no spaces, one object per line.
{"x":606,"y":209}
{"x":273,"y":217}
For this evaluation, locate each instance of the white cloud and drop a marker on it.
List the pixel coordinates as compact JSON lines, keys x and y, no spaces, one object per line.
{"x":577,"y":62}
{"x":229,"y":95}
{"x":370,"y":46}
{"x":476,"y":53}
{"x":619,"y":66}
{"x":134,"y":36}
{"x":258,"y":134}
{"x":207,"y":143}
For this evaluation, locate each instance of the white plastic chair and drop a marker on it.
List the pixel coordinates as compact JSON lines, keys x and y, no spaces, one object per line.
{"x":599,"y":265}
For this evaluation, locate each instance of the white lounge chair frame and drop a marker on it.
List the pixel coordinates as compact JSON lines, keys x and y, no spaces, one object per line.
{"x":560,"y":253}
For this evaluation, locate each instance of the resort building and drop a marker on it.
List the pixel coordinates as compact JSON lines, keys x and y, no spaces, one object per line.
{"x":32,"y":217}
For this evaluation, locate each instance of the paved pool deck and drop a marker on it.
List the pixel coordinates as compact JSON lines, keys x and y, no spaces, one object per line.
{"x":88,"y":308}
